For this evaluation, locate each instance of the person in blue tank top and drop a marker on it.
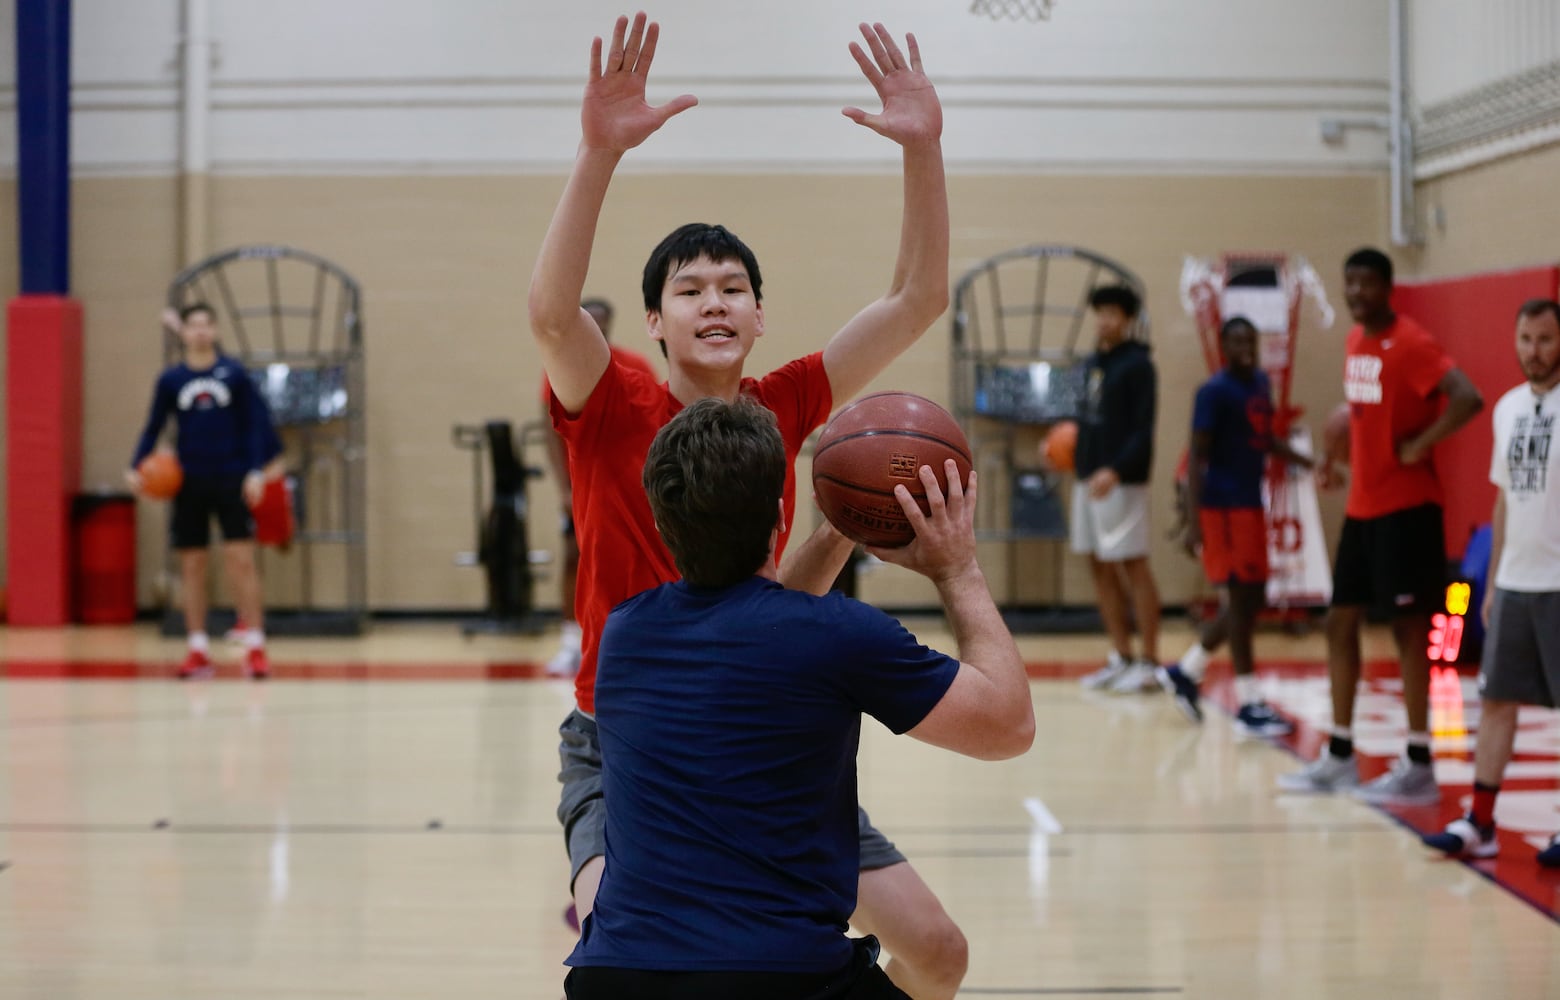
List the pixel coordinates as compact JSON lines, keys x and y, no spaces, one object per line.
{"x":225,"y":441}
{"x":729,"y":710}
{"x":1226,"y":524}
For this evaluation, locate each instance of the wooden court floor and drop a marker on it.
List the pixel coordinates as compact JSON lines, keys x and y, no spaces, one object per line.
{"x":378,"y":822}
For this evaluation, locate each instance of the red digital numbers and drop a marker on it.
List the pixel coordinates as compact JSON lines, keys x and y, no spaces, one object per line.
{"x":1446,"y":635}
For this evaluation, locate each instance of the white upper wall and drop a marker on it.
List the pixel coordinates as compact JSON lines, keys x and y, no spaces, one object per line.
{"x":303,"y":86}
{"x":1460,"y":45}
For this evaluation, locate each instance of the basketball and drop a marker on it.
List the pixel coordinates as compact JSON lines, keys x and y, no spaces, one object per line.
{"x":1059,"y":444}
{"x":1335,"y":434}
{"x":872,"y":445}
{"x":161,"y":475}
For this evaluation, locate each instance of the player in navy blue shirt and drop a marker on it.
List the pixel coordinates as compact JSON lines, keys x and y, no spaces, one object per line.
{"x":1232,"y":436}
{"x":225,"y":441}
{"x":729,"y":710}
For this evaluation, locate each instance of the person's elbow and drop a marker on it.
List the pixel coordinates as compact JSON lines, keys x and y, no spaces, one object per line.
{"x":1010,"y":735}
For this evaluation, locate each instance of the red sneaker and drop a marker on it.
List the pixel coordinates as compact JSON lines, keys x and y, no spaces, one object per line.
{"x":256,"y":665}
{"x":195,"y":665}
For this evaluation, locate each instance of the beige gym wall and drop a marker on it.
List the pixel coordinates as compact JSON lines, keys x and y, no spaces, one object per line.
{"x":444,"y":262}
{"x":1493,"y":216}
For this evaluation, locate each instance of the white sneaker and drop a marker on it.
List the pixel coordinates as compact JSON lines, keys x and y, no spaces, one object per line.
{"x":1106,"y":675}
{"x":565,"y":662}
{"x":1323,"y":776}
{"x":1135,"y":679}
{"x":1407,"y":784}
{"x":1461,"y":839}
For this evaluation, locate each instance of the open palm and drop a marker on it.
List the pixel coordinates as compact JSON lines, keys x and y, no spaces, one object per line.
{"x":615,"y":114}
{"x":911,"y":111}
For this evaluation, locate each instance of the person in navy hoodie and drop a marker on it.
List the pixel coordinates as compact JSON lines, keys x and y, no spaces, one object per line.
{"x":225,"y":440}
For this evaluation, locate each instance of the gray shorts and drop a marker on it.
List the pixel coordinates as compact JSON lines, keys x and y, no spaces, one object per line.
{"x":1522,"y":649}
{"x":583,"y":812}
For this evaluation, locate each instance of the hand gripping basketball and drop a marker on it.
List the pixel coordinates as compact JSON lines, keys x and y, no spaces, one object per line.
{"x":944,"y":543}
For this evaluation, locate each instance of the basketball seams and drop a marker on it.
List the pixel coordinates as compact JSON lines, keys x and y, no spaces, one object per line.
{"x":894,"y":432}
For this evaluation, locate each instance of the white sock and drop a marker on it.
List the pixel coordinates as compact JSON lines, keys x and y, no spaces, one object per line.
{"x":571,"y":635}
{"x":1247,"y":689}
{"x":1117,"y":660}
{"x":1194,"y":662}
{"x":1342,"y":732}
{"x":254,"y":638}
{"x":199,"y":642}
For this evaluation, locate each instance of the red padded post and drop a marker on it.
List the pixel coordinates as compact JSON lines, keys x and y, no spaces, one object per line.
{"x":43,"y":454}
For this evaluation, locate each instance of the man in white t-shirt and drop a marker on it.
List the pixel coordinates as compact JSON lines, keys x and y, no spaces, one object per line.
{"x":1522,"y":605}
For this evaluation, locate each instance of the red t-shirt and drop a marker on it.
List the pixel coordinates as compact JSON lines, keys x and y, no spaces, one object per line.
{"x":1390,"y":382}
{"x":622,"y":355}
{"x":621,"y":553}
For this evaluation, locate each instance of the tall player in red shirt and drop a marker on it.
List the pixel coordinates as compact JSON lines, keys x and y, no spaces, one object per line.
{"x":1392,"y":552}
{"x":702,"y":293}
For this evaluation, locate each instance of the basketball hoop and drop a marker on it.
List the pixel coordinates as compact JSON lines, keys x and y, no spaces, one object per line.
{"x":1013,"y":10}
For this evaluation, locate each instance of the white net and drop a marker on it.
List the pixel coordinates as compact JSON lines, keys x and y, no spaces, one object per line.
{"x":1013,"y":10}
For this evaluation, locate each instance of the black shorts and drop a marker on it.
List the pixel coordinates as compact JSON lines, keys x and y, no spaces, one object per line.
{"x":861,"y":980}
{"x":199,"y":499}
{"x":1394,"y":564}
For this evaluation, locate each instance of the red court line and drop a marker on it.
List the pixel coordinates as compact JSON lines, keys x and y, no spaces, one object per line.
{"x":120,"y":670}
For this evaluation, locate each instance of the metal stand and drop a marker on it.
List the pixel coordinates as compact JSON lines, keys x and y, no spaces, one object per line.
{"x":503,"y":542}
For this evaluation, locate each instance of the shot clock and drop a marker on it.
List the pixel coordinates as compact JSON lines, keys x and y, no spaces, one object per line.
{"x":1456,"y":631}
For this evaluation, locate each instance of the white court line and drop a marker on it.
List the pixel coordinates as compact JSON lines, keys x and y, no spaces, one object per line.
{"x":1045,"y":822}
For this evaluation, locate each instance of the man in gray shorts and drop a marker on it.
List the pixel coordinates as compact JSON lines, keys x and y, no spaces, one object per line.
{"x":1522,"y":649}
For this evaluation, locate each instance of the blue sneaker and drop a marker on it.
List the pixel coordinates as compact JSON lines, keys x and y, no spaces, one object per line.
{"x":1462,"y":839}
{"x":1183,"y":689}
{"x":1259,"y":719}
{"x":1549,"y":857}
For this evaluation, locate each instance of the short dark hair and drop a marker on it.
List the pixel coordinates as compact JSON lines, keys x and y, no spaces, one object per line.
{"x":1372,"y":260}
{"x":1123,"y":297}
{"x":1534,"y":308}
{"x":715,"y":475}
{"x":1234,"y":323}
{"x":197,"y":307}
{"x":689,"y":243}
{"x":598,"y":304}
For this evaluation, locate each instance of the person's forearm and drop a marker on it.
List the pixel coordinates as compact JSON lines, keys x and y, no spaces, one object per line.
{"x":814,"y":565}
{"x":1497,"y":539}
{"x":921,"y":270}
{"x":983,"y":639}
{"x":564,"y":260}
{"x":1460,"y":409}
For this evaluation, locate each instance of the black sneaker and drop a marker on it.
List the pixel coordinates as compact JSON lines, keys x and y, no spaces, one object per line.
{"x":1182,"y":688}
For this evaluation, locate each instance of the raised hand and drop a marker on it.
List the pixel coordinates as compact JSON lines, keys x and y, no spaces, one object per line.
{"x":911,"y":111}
{"x":615,"y":115}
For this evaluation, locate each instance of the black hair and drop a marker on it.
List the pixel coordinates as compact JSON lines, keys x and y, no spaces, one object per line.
{"x":1234,"y":323}
{"x":1121,"y":296}
{"x":1372,"y":260}
{"x":689,"y":243}
{"x":197,"y":307}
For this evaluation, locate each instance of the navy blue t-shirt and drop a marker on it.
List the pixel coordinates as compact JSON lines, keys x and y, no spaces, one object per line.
{"x":729,"y":721}
{"x":224,"y":425}
{"x":1239,"y":416}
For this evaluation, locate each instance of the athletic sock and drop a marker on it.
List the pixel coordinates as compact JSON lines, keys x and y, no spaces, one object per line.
{"x":1194,"y":662}
{"x":199,"y":642}
{"x":1482,"y":815}
{"x":1419,"y":748}
{"x":1341,"y":743}
{"x":254,"y":638}
{"x":1247,"y":689}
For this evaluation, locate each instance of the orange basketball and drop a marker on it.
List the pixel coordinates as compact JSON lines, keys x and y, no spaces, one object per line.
{"x":1061,"y":441}
{"x":874,"y":444}
{"x":1335,"y":434}
{"x":161,"y":475}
